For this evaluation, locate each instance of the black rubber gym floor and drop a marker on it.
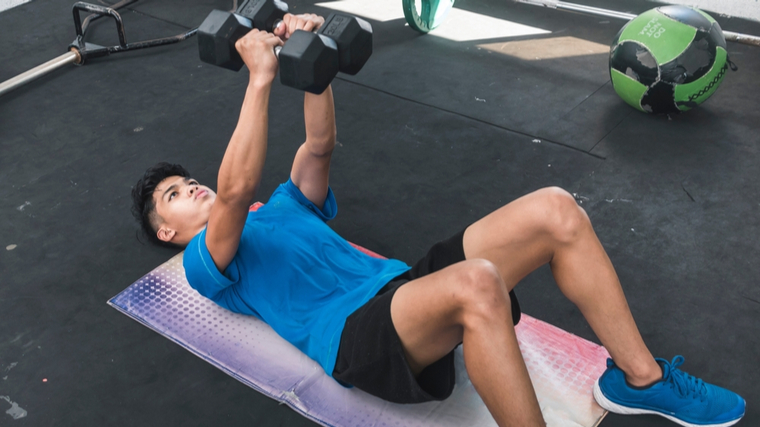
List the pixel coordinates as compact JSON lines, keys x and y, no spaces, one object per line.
{"x":433,"y":135}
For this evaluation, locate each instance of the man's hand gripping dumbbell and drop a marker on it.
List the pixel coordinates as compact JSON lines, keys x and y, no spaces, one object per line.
{"x":308,"y":61}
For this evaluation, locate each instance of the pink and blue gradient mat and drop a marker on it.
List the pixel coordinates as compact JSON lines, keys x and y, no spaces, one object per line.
{"x":563,"y":367}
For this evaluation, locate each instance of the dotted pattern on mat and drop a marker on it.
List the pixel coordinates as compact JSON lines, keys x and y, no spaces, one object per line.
{"x":563,"y":367}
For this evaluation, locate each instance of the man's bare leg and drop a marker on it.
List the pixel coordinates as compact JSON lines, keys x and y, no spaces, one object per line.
{"x":469,"y":303}
{"x":547,"y":226}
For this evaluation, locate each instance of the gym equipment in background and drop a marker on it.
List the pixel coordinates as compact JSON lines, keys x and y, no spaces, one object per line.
{"x":668,"y":59}
{"x":80,"y":50}
{"x":433,"y":12}
{"x":561,"y":5}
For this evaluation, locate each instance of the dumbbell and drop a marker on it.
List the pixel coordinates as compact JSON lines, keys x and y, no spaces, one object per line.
{"x":308,"y":61}
{"x":220,"y":30}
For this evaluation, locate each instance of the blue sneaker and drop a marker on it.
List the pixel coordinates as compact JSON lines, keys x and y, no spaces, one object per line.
{"x":679,"y":397}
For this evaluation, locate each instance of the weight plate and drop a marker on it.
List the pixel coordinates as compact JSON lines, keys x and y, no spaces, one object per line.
{"x":431,"y":15}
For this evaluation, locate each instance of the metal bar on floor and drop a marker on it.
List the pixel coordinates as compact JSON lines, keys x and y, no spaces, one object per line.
{"x":562,"y":5}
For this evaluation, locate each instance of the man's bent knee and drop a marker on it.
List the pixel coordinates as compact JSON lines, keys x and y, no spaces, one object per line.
{"x":565,"y":219}
{"x":482,"y":292}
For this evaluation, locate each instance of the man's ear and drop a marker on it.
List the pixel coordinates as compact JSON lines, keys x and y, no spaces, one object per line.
{"x":166,"y":234}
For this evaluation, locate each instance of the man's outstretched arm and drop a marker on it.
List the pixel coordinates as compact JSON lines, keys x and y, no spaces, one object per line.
{"x":311,"y":167}
{"x":240,"y":172}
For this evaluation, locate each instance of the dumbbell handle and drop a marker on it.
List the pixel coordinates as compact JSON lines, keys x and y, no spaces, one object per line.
{"x":326,"y":40}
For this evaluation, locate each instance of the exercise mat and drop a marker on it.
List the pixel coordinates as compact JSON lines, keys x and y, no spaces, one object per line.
{"x":563,"y":367}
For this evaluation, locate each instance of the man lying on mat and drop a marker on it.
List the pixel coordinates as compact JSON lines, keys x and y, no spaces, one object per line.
{"x":362,"y":318}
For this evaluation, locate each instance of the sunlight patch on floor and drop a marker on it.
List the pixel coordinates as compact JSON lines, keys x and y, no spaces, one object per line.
{"x":547,"y":48}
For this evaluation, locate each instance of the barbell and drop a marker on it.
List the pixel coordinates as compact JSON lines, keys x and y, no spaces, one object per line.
{"x":80,"y":50}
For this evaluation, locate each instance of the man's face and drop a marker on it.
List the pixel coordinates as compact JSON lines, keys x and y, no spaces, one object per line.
{"x":183,"y":206}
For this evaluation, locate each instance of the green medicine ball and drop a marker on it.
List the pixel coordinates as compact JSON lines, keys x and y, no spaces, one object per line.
{"x":669,"y":59}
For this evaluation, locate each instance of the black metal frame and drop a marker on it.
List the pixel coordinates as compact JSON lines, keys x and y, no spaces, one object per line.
{"x":89,"y":50}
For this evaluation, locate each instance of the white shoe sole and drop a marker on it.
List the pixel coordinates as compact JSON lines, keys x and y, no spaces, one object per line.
{"x":624,"y":410}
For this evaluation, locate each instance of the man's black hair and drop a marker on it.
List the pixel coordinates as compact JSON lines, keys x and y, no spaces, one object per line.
{"x":143,"y":205}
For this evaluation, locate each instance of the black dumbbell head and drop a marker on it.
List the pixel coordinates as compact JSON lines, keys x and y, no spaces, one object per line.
{"x":308,"y":62}
{"x":217,"y":36}
{"x":354,"y":39}
{"x":263,"y":13}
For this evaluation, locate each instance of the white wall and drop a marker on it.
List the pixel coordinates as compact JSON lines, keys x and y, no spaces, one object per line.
{"x":749,"y":9}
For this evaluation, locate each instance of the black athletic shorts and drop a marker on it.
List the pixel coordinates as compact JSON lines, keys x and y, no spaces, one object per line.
{"x":370,"y":356}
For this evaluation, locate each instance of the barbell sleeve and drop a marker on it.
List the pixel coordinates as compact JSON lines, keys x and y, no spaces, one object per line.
{"x":561,"y":5}
{"x":742,"y":38}
{"x":594,"y":10}
{"x":70,"y":57}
